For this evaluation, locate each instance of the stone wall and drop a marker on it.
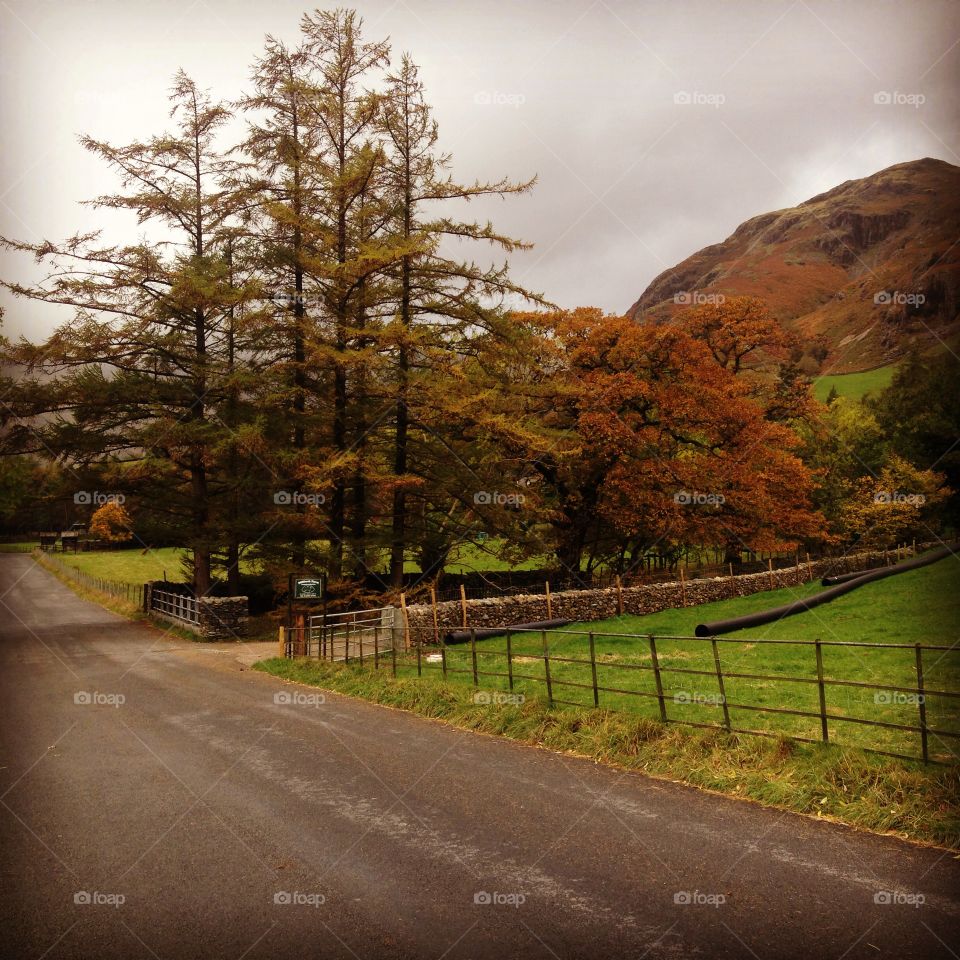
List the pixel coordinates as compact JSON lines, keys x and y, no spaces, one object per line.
{"x":220,"y":618}
{"x":223,"y":618}
{"x":586,"y":605}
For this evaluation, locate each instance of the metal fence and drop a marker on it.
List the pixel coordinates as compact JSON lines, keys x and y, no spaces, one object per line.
{"x":649,"y":676}
{"x":133,"y":592}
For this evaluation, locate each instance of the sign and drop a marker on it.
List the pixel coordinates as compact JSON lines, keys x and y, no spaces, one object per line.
{"x":308,"y":589}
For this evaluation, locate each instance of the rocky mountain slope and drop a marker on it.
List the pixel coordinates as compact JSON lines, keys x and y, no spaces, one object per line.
{"x":864,"y":269}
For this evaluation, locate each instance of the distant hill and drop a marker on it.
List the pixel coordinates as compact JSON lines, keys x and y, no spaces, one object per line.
{"x":871,"y":266}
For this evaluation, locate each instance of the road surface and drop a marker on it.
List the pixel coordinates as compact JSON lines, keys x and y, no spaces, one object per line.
{"x":157,"y":801}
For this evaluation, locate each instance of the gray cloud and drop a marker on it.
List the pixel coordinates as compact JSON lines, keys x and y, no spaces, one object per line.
{"x":780,"y":106}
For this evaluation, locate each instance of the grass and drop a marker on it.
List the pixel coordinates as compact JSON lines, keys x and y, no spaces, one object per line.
{"x":840,"y":780}
{"x":921,"y":606}
{"x":129,"y":566}
{"x":849,"y":786}
{"x":854,"y":385}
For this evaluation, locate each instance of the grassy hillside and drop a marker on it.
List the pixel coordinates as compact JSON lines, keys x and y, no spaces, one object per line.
{"x":854,"y":385}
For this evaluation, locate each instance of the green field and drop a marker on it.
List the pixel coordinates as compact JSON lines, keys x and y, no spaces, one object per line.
{"x":129,"y":566}
{"x":854,"y":385}
{"x":922,"y":606}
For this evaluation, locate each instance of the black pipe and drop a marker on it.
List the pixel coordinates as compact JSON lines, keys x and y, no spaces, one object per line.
{"x":912,"y":564}
{"x":802,"y":606}
{"x":462,"y":636}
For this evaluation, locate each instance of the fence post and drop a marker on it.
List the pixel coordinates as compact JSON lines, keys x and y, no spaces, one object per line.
{"x":509,"y":662}
{"x":921,"y":702}
{"x":376,"y":648}
{"x":546,"y":667}
{"x":593,"y":671}
{"x":723,"y":692}
{"x":809,"y":568}
{"x":683,"y":588}
{"x":824,"y":730}
{"x":436,"y":625}
{"x":770,"y":572}
{"x":473,"y":656}
{"x":281,"y":652}
{"x":656,"y":677}
{"x":463,"y":606}
{"x":619,"y":596}
{"x":406,"y":621}
{"x":549,"y":603}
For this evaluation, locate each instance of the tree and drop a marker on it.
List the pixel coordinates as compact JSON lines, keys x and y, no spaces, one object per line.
{"x":111,"y":522}
{"x":139,"y":372}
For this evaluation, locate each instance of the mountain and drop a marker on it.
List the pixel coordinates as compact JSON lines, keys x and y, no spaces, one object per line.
{"x":865,"y":269}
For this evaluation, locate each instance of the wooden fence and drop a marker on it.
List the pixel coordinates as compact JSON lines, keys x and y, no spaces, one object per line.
{"x":526,"y":662}
{"x":132,"y":592}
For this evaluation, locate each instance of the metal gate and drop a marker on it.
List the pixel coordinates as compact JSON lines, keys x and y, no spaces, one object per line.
{"x":350,"y":634}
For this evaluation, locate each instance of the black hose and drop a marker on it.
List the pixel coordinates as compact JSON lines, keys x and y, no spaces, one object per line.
{"x":802,"y":606}
{"x":905,"y":565}
{"x":462,"y":636}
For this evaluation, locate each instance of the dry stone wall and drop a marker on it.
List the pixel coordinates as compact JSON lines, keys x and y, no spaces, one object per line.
{"x":586,"y":605}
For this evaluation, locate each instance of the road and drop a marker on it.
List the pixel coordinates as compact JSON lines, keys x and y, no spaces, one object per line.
{"x":178,"y":811}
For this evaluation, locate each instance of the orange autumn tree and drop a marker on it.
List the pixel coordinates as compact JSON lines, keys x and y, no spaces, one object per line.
{"x":656,"y":443}
{"x":111,"y":522}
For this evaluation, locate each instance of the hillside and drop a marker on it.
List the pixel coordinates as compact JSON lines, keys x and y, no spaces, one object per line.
{"x":870,"y":266}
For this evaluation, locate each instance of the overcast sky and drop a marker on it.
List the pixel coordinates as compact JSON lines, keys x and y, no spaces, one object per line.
{"x":777,"y":103}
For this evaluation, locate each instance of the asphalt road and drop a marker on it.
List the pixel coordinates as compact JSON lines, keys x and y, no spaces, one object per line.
{"x":192,"y":816}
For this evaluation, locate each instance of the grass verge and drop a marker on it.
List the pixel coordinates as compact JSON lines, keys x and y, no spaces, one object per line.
{"x":873,"y":793}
